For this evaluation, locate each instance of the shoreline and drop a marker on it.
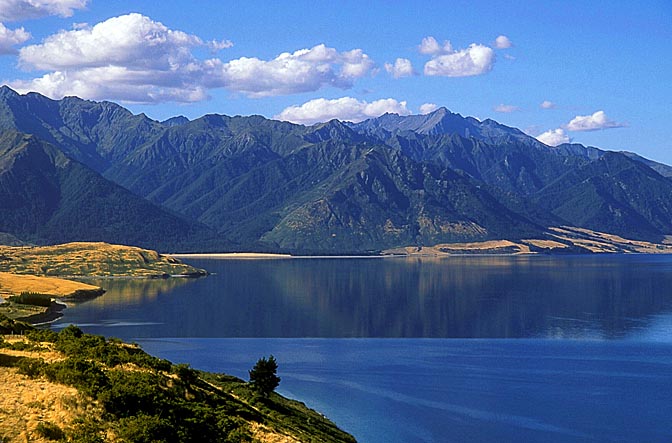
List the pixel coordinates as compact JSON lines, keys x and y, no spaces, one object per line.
{"x":53,"y":313}
{"x":234,"y":255}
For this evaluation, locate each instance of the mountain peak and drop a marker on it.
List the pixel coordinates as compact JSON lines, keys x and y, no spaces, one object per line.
{"x":6,"y":90}
{"x":176,"y":121}
{"x":442,"y":111}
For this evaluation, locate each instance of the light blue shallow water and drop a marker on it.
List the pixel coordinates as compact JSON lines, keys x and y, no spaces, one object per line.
{"x":437,"y":390}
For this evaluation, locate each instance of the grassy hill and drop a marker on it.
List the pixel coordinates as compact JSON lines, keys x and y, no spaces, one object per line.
{"x":78,"y":387}
{"x":84,"y":259}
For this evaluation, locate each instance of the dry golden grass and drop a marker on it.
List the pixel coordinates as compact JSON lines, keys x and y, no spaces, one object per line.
{"x":13,"y":284}
{"x":263,"y":434}
{"x":26,"y":402}
{"x":46,"y":353}
{"x":565,"y":237}
{"x":89,"y":260}
{"x":485,"y":245}
{"x":444,"y":249}
{"x":545,"y":244}
{"x":597,"y":241}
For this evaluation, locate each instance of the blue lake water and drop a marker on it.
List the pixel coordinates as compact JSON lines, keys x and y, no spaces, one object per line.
{"x":464,"y":349}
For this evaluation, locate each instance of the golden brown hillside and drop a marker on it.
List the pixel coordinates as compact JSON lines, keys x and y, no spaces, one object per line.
{"x":12,"y":285}
{"x":565,"y":238}
{"x":83,"y":259}
{"x":15,"y":284}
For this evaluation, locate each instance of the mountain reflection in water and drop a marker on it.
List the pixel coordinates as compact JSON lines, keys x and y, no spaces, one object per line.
{"x":463,"y":297}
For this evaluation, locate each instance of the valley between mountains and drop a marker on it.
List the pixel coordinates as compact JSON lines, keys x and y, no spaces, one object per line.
{"x":78,"y":170}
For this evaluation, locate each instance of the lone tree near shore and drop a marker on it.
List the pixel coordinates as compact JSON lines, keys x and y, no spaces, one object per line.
{"x":263,"y":375}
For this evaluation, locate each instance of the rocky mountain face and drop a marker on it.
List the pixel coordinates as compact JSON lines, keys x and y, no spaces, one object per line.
{"x":334,"y":187}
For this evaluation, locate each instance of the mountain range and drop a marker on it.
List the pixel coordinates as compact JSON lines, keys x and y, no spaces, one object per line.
{"x":74,"y":170}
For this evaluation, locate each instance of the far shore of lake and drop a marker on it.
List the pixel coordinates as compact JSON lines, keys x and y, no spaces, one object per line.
{"x":233,"y":255}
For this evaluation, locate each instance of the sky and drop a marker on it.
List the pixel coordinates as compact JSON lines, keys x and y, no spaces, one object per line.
{"x":594,"y":72}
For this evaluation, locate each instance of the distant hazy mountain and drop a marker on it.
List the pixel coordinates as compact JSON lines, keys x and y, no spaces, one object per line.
{"x":331,"y":187}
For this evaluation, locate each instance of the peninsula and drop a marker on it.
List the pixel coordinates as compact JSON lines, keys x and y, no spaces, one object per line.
{"x":36,"y":280}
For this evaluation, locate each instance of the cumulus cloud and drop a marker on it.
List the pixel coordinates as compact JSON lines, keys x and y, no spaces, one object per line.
{"x":117,"y":83}
{"x":503,"y":42}
{"x":345,"y":109}
{"x":427,"y":108}
{"x":430,"y":46}
{"x":10,"y":38}
{"x":402,"y":67}
{"x":506,"y":108}
{"x":546,"y":104}
{"x":554,"y":137}
{"x":290,"y":73}
{"x":477,"y":59}
{"x":134,"y":58}
{"x":594,"y":122}
{"x":16,"y":10}
{"x":132,"y":41}
{"x":129,"y":58}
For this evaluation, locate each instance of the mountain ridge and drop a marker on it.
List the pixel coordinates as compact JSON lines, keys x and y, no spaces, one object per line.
{"x":332,"y":187}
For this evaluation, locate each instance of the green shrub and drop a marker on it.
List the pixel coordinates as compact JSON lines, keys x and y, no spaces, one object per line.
{"x":86,"y":430}
{"x":22,"y":346}
{"x":42,"y":335}
{"x":50,"y":431}
{"x":145,"y":429}
{"x":31,"y":367}
{"x":31,"y":298}
{"x":82,"y":374}
{"x":185,"y":373}
{"x":73,"y":342}
{"x":132,"y":393}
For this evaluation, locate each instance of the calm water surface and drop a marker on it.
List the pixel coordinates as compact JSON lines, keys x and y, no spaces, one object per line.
{"x":456,"y":349}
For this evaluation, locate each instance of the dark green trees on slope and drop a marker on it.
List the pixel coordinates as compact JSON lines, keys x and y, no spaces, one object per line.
{"x":48,"y":197}
{"x":263,"y":376}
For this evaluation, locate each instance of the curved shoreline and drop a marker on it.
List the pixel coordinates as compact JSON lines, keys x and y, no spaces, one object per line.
{"x":51,"y":314}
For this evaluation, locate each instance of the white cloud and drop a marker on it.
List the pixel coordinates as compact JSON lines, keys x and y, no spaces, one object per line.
{"x":10,"y":38}
{"x":133,"y":58}
{"x":506,"y":108}
{"x":402,"y":68}
{"x":475,"y":60}
{"x":132,"y":41}
{"x":427,"y":108}
{"x":302,"y":71}
{"x":117,"y":83}
{"x":546,"y":104}
{"x":594,"y":122}
{"x":15,"y":10}
{"x":218,"y":45}
{"x":128,"y":58}
{"x":503,"y":42}
{"x":345,"y":109}
{"x":430,"y":46}
{"x":554,"y":137}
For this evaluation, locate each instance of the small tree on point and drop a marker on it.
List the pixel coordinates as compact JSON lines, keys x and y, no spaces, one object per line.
{"x":263,"y":375}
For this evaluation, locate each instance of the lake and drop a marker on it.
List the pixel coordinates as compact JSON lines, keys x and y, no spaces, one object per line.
{"x":488,"y":348}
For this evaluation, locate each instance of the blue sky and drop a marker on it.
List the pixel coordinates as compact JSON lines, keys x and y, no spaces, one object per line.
{"x":602,"y":68}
